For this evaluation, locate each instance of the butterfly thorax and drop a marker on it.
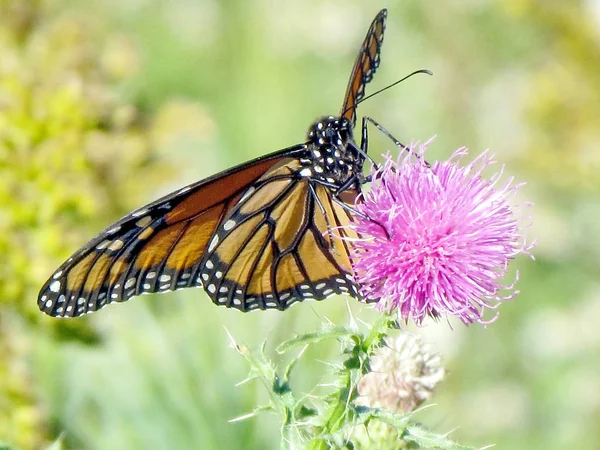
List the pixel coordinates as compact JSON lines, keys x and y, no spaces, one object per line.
{"x":332,"y":157}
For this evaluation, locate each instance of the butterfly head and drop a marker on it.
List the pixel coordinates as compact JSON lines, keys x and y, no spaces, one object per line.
{"x":330,"y":130}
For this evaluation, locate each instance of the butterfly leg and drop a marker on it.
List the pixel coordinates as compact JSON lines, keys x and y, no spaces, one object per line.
{"x":338,"y":190}
{"x":322,"y":208}
{"x":364,"y":143}
{"x":336,"y":198}
{"x":366,"y":120}
{"x":359,"y":214}
{"x":396,"y":142}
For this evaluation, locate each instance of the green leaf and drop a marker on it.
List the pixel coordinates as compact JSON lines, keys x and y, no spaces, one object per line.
{"x":315,"y":337}
{"x":427,"y":439}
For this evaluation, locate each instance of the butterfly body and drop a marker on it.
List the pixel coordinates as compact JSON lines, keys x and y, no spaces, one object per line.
{"x":332,"y":156}
{"x":264,"y":234}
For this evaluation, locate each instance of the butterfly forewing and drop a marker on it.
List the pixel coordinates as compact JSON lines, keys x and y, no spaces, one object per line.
{"x":154,"y":249}
{"x":365,"y":66}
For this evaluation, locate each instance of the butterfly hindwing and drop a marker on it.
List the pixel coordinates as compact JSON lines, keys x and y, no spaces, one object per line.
{"x":281,"y":244}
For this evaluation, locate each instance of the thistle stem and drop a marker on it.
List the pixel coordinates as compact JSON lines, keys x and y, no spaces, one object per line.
{"x":339,"y":408}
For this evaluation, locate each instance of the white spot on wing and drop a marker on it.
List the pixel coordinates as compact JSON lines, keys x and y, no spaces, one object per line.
{"x":248,"y":193}
{"x":164,"y":278}
{"x":229,"y":225}
{"x":116,"y":245}
{"x":55,"y":286}
{"x":306,"y":172}
{"x":211,"y":288}
{"x":143,"y":222}
{"x":57,"y":275}
{"x":130,"y":283}
{"x":102,"y":245}
{"x":213,"y":243}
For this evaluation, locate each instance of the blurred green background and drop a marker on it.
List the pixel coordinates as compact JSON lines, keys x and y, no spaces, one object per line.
{"x":105,"y":105}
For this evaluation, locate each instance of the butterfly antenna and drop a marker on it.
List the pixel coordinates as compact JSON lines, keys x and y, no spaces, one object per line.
{"x":428,"y":72}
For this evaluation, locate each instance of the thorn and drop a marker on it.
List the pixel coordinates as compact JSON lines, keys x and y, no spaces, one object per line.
{"x":244,"y":381}
{"x":244,"y":417}
{"x":352,"y":321}
{"x":232,"y":342}
{"x":301,"y":352}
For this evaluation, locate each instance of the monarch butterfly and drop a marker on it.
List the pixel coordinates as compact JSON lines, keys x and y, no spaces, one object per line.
{"x":264,"y":234}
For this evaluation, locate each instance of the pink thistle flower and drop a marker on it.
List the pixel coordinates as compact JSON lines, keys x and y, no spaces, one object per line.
{"x":437,"y":240}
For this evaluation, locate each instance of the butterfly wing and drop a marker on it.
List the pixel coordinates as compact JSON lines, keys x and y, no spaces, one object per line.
{"x":365,"y":66}
{"x":282,"y":243}
{"x":256,"y":236}
{"x":157,"y":248}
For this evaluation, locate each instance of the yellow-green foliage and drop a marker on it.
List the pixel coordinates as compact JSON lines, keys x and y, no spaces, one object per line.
{"x":565,"y":98}
{"x":68,"y":149}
